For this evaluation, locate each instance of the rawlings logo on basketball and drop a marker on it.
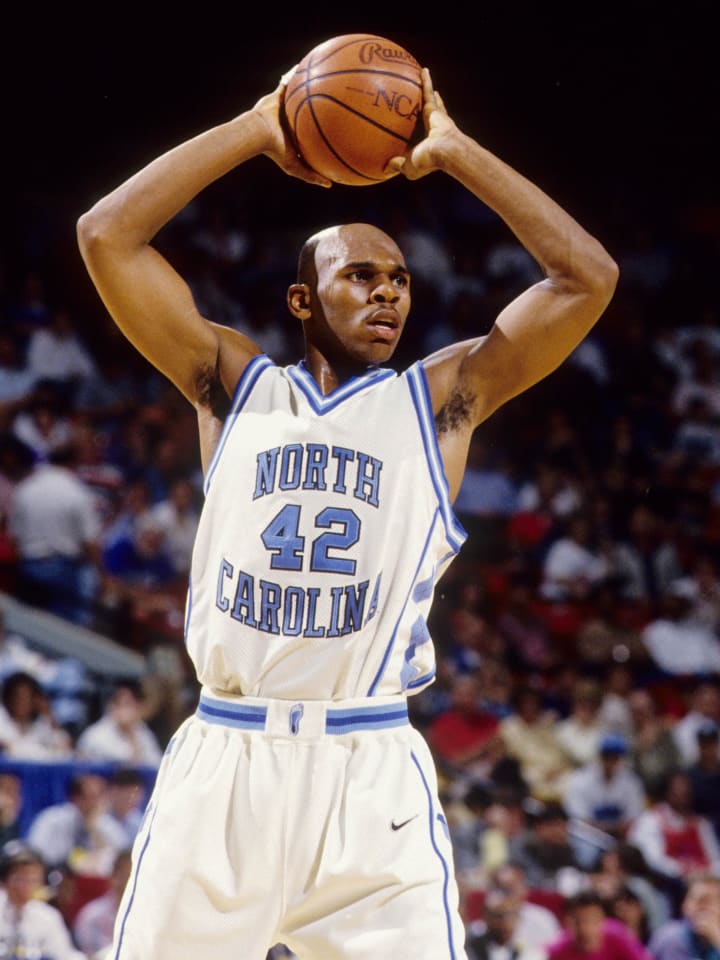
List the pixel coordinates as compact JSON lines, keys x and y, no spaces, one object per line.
{"x":371,"y":51}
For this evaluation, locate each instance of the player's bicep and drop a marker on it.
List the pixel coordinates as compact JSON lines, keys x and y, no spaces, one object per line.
{"x":530,"y":338}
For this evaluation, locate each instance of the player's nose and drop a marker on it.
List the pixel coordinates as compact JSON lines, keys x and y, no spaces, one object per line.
{"x":384,"y":291}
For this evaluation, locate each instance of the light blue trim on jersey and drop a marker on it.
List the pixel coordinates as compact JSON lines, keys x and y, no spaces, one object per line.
{"x":244,"y":386}
{"x":420,"y":393}
{"x":321,"y":403}
{"x":337,"y":720}
{"x":391,"y":644}
{"x":452,"y":955}
{"x":422,"y":681}
{"x":134,"y":878}
{"x":188,"y":610}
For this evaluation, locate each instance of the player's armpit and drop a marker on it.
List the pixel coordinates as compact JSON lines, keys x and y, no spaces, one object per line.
{"x":235,"y":351}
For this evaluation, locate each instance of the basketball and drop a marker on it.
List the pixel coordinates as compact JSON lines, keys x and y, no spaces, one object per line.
{"x":351,"y":105}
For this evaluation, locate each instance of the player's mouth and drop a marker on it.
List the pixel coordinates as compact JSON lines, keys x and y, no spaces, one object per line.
{"x":385,"y":325}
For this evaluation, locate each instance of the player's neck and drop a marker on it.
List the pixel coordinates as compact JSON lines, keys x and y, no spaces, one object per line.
{"x":330,"y":374}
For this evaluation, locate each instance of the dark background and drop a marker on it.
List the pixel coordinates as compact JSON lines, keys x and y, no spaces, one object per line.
{"x":612,"y":108}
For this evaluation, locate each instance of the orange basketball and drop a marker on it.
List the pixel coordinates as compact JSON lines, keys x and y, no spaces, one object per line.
{"x":353,"y":103}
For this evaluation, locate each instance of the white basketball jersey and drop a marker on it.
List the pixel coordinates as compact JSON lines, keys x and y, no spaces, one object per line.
{"x":326,"y":525}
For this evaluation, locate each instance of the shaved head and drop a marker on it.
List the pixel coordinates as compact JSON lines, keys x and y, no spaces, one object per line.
{"x":338,"y":242}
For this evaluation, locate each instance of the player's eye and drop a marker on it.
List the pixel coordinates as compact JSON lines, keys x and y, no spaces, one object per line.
{"x":401,"y":280}
{"x":359,"y":276}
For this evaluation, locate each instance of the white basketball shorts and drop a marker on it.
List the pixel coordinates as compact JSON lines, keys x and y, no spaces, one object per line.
{"x":312,"y":824}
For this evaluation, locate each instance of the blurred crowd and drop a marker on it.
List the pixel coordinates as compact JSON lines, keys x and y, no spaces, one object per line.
{"x":575,"y":718}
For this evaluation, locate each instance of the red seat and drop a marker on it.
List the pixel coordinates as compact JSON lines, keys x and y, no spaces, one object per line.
{"x":550,"y":899}
{"x":84,"y":889}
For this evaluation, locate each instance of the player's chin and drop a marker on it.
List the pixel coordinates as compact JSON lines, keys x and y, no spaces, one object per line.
{"x":380,"y":351}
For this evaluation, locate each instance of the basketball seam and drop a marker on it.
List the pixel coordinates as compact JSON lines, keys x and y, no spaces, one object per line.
{"x":306,"y":80}
{"x":332,"y":149}
{"x":357,"y":113}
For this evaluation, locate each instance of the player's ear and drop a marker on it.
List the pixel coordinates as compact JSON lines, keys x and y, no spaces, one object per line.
{"x":298,"y":300}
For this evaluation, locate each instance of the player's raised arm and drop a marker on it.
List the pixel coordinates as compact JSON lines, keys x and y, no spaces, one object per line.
{"x":145,"y":296}
{"x":539,"y":329}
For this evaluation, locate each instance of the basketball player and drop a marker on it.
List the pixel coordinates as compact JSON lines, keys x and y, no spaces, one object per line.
{"x":298,"y":805}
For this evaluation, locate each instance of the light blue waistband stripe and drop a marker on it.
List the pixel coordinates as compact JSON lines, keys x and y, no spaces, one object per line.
{"x":337,"y":721}
{"x":248,"y":717}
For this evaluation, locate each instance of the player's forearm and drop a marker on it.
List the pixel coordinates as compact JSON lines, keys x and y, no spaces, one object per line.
{"x":135,"y":211}
{"x":566,"y":252}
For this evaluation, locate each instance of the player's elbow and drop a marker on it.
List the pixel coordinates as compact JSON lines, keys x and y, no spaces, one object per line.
{"x":90,"y":233}
{"x":598,"y":273}
{"x":606,"y":275}
{"x":100,"y":228}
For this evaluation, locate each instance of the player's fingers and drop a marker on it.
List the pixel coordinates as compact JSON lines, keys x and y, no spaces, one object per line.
{"x":440,"y":102}
{"x":288,"y":75}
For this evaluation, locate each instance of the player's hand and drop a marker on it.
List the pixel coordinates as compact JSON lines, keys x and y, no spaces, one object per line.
{"x":425,"y":156}
{"x":281,"y":148}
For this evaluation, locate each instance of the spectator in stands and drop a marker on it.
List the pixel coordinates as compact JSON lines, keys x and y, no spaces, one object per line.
{"x":617,"y":681}
{"x":56,"y":526}
{"x":646,"y":559}
{"x":572,"y":567}
{"x":673,"y":839}
{"x":57,"y":353}
{"x":545,"y":852}
{"x":591,"y":933}
{"x":622,"y":868}
{"x":606,"y":793}
{"x":695,"y":935}
{"x":537,"y":925}
{"x":44,"y":424}
{"x":469,"y":824}
{"x":80,"y":832}
{"x":705,"y":775}
{"x":11,"y":800}
{"x":606,"y":636}
{"x":28,"y":729}
{"x":177,"y":517}
{"x":121,"y":735}
{"x":528,"y":735}
{"x":704,"y":709}
{"x":112,"y":393}
{"x":17,"y":381}
{"x":93,"y":925}
{"x":702,"y":587}
{"x":28,"y":926}
{"x":528,"y":644}
{"x":677,"y":644}
{"x":580,"y":733}
{"x":140,"y":558}
{"x":464,"y":738}
{"x":627,"y":907}
{"x":127,"y":800}
{"x":16,"y":462}
{"x":552,"y":489}
{"x":653,"y":751}
{"x":497,"y":938}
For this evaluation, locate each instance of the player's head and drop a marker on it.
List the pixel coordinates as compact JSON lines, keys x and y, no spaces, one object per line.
{"x":352,"y":294}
